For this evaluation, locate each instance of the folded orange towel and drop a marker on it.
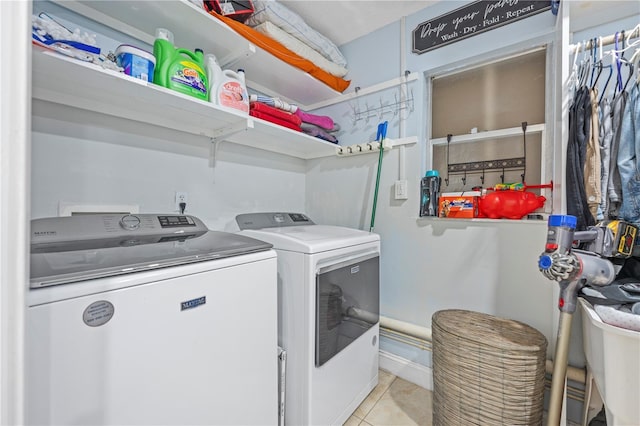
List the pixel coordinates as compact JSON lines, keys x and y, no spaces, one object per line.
{"x":281,"y":52}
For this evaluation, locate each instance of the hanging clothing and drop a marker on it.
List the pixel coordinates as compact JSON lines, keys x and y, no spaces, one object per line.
{"x":614,"y":187}
{"x":629,"y":158}
{"x":605,"y":136}
{"x":579,"y":131}
{"x":592,"y":172}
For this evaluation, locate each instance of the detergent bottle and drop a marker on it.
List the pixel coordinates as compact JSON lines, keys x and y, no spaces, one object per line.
{"x":162,"y":48}
{"x":214,"y":75}
{"x":231,"y":91}
{"x":179,"y":69}
{"x":429,"y":192}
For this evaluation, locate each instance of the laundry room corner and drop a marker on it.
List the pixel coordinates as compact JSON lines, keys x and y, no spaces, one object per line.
{"x":431,"y":264}
{"x":284,"y":212}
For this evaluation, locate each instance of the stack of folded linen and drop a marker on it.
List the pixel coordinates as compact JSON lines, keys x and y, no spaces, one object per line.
{"x":277,"y":21}
{"x":319,"y":132}
{"x":286,"y":36}
{"x":274,"y":115}
{"x":319,"y":126}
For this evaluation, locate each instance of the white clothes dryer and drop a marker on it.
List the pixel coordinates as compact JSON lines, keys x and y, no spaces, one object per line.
{"x":328,"y":313}
{"x":148,"y":320}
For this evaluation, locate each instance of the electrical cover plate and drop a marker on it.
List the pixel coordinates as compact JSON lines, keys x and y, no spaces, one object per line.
{"x":401,"y":190}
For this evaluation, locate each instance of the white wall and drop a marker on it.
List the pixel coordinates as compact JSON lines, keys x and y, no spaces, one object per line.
{"x":432,"y":264}
{"x":88,"y":158}
{"x":427,"y":264}
{"x":93,"y":165}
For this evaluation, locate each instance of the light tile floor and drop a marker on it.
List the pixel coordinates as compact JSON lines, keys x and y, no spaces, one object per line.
{"x":397,"y":402}
{"x":394,"y":402}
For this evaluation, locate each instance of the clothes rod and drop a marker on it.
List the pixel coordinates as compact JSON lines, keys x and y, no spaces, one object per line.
{"x":610,"y":39}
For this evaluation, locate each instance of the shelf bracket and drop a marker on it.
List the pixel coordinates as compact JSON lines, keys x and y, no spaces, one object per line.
{"x":232,"y":58}
{"x":213,"y":151}
{"x":224,"y":132}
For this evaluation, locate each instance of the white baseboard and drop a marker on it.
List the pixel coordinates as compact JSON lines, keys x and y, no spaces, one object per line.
{"x":407,"y":370}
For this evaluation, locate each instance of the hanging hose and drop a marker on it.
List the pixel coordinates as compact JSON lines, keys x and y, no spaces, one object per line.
{"x":381,"y":135}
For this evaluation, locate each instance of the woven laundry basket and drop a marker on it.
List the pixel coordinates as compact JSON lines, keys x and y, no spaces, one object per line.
{"x":486,"y":370}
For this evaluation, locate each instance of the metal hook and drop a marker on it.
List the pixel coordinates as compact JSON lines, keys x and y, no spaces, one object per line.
{"x":482,"y":177}
{"x":446,"y":180}
{"x":524,"y":148}
{"x":464,"y":179}
{"x":502,"y":176}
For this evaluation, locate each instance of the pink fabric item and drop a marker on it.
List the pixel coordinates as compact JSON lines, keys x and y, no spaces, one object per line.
{"x":319,"y":120}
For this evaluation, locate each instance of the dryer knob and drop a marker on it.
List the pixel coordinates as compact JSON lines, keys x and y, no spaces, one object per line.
{"x":130,"y":222}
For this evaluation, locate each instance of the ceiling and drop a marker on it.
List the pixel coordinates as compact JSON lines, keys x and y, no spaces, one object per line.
{"x":345,"y":20}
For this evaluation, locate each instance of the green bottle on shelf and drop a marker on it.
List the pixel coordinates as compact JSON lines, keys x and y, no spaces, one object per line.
{"x":179,"y":69}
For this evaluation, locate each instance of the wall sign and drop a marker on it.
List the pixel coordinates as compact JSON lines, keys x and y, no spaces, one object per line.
{"x":472,"y":19}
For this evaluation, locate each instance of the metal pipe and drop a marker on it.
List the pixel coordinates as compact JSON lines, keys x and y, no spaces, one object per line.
{"x":420,"y":332}
{"x":558,"y":377}
{"x":610,"y":39}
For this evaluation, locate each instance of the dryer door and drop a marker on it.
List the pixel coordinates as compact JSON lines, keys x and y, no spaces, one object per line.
{"x":347,"y":304}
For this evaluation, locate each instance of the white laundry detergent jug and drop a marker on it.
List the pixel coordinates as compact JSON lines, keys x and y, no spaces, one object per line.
{"x":227,"y":87}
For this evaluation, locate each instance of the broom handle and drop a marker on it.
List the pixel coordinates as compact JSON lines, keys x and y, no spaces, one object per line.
{"x":375,"y":194}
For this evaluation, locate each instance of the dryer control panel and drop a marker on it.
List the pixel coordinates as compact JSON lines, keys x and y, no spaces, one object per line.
{"x":271,"y":220}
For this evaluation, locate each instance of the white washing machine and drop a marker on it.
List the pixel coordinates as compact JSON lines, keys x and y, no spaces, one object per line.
{"x":328,"y":321}
{"x":148,"y":320}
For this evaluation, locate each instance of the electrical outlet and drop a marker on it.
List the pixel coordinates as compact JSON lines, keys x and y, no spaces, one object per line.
{"x":181,"y":197}
{"x":401,"y":190}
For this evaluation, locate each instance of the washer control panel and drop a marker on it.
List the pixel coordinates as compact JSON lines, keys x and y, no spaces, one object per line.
{"x":271,"y":220}
{"x":98,"y":226}
{"x":130,"y":222}
{"x":176,"y":221}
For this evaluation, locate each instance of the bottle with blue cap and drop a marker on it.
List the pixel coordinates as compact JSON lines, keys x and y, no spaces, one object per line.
{"x":429,"y":193}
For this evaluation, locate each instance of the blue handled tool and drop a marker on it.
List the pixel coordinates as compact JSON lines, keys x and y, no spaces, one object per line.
{"x":380,"y":137}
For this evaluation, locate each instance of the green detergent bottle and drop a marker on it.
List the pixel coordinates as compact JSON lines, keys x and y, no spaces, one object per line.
{"x":179,"y":69}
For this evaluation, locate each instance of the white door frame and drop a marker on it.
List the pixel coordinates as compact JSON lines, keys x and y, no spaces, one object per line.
{"x":15,"y":151}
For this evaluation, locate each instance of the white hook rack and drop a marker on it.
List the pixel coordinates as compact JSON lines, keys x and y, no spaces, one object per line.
{"x":379,"y":112}
{"x":363,"y":148}
{"x":373,"y":147}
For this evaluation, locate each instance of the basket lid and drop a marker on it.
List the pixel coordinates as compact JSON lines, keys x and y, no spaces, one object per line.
{"x":489,"y":330}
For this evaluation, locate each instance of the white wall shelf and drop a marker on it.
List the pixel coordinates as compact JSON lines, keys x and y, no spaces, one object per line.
{"x":69,"y":82}
{"x":271,"y":137}
{"x":501,"y":134}
{"x":490,"y":134}
{"x":480,"y":220}
{"x":192,"y":28}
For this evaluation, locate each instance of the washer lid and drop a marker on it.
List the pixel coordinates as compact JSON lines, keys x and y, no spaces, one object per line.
{"x":312,"y":238}
{"x":79,"y":248}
